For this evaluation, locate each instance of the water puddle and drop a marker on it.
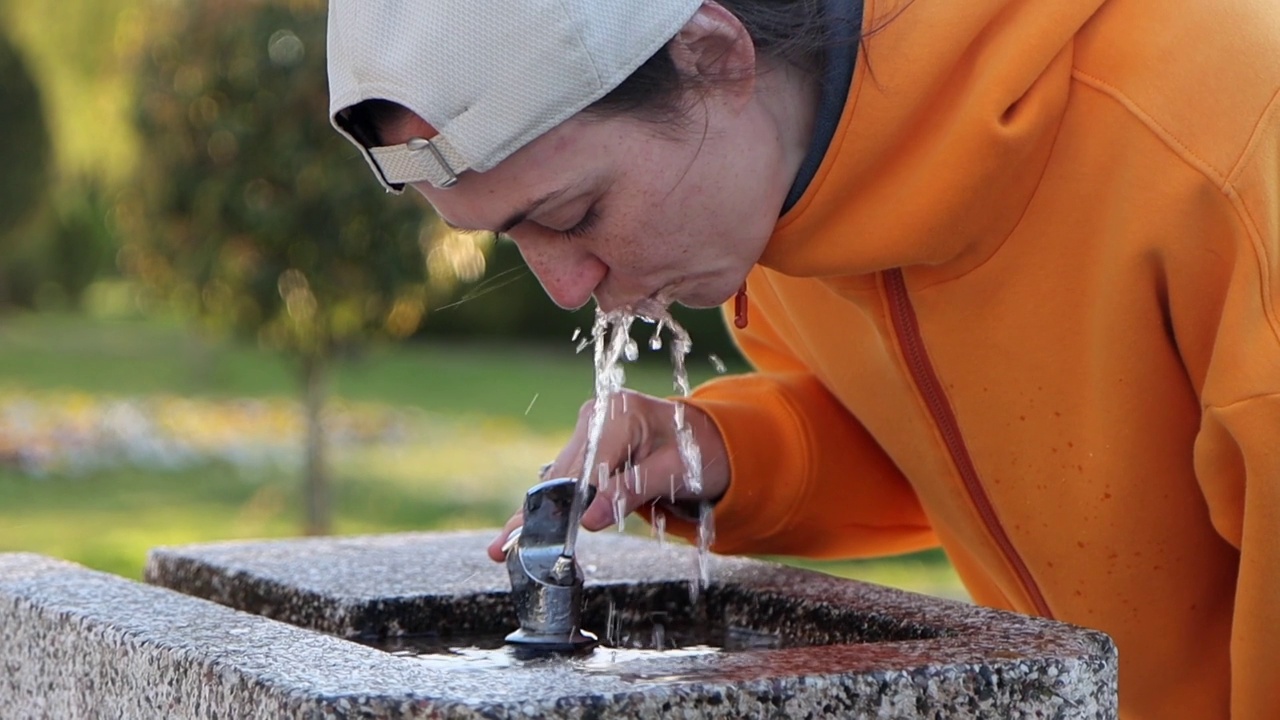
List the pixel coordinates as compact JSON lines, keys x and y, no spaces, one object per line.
{"x":614,"y":656}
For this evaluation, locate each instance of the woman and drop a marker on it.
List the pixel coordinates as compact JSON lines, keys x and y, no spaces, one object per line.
{"x":1013,"y":271}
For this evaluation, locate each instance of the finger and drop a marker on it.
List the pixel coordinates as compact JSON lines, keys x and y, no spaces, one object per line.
{"x":568,"y":462}
{"x":660,"y":475}
{"x":612,"y":504}
{"x":617,"y":444}
{"x":495,"y":548}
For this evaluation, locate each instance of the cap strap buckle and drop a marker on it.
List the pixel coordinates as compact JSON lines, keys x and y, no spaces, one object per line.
{"x":419,"y":159}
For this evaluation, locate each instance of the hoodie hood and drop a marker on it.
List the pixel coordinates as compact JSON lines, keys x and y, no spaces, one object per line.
{"x":951,"y":118}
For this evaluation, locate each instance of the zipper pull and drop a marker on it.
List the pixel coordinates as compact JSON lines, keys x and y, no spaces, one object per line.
{"x":740,"y":308}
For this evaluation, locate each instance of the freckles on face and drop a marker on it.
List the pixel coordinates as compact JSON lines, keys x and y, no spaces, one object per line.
{"x":613,"y":209}
{"x":569,"y":274}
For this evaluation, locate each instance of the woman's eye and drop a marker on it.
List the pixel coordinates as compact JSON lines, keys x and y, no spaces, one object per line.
{"x":584,"y":225}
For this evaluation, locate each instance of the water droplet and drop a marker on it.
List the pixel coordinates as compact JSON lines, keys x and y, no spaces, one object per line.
{"x":620,"y":511}
{"x":613,"y":625}
{"x":655,"y":342}
{"x":717,"y":363}
{"x":706,"y":536}
{"x":631,"y":352}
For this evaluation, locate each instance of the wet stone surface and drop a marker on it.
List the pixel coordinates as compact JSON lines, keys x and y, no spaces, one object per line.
{"x":75,"y":643}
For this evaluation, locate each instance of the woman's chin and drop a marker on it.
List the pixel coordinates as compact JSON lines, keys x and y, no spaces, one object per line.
{"x":697,"y":295}
{"x":703,"y":297}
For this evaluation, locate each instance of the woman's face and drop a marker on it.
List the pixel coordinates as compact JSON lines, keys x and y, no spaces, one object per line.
{"x":629,"y":212}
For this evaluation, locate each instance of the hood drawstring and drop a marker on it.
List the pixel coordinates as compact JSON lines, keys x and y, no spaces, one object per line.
{"x":740,"y":308}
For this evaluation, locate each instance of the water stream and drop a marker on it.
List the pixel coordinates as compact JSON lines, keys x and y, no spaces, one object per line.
{"x":613,"y":345}
{"x":611,"y":336}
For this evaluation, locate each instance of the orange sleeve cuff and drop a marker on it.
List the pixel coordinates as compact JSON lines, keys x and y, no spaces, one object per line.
{"x":805,"y":477}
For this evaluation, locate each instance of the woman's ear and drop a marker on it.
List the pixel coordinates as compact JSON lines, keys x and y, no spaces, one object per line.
{"x":716,"y":49}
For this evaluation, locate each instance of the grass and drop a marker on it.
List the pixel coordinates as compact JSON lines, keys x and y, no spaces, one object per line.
{"x":538,"y":387}
{"x":494,"y":414}
{"x":109,"y":520}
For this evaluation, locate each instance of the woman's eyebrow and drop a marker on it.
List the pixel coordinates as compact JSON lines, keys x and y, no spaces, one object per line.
{"x":518,"y":217}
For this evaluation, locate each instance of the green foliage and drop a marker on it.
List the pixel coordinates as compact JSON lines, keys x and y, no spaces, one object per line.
{"x":24,"y":171}
{"x":79,"y":52}
{"x":24,"y":140}
{"x":79,"y":243}
{"x":250,"y":212}
{"x":62,"y":241}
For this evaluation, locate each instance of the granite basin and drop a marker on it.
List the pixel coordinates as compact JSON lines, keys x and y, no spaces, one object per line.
{"x":283,"y":629}
{"x":374,"y":590}
{"x":829,"y":643}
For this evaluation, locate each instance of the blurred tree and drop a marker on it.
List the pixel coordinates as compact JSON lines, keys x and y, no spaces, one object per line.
{"x":79,"y":245}
{"x":251,"y":213}
{"x":75,"y":63}
{"x":78,"y":52}
{"x":24,"y":172}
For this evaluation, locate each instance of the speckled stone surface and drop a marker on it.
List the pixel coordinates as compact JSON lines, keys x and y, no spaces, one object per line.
{"x":79,"y":644}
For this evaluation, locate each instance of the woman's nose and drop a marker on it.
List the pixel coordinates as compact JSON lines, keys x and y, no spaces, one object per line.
{"x":568,"y":273}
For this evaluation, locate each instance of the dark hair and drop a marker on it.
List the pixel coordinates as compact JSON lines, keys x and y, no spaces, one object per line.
{"x":794,"y":32}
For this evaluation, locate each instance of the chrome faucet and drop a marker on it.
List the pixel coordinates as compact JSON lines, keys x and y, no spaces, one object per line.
{"x":546,"y":581}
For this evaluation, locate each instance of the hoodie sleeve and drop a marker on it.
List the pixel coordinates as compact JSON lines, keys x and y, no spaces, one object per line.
{"x":1237,"y":451}
{"x":806,"y":478}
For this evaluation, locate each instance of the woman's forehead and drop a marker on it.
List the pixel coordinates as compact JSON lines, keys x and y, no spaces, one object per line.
{"x":533,"y":179}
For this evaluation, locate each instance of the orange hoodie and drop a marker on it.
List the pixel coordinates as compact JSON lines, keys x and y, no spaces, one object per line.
{"x":1029,"y":308}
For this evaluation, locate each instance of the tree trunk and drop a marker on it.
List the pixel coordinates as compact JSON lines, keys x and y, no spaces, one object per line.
{"x":319,"y":519}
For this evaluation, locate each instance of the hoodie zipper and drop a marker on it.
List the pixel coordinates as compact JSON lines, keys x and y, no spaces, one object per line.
{"x":907,"y":328}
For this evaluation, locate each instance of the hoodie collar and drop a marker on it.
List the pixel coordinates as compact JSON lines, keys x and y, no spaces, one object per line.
{"x":952,"y":113}
{"x":843,"y":19}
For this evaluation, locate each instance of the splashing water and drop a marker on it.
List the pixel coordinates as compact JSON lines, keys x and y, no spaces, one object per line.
{"x":611,"y":337}
{"x":630,"y":481}
{"x":655,"y":342}
{"x":706,"y":536}
{"x":659,"y":636}
{"x":610,"y":334}
{"x":619,"y":502}
{"x":660,"y":527}
{"x":690,"y":454}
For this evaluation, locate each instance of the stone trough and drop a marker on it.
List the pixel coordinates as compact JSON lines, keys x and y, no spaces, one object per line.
{"x":319,"y":628}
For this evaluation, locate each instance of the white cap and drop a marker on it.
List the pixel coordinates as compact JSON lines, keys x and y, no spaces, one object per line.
{"x":488,"y":75}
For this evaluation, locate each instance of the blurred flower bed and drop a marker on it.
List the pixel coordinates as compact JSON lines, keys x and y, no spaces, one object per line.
{"x":70,"y":433}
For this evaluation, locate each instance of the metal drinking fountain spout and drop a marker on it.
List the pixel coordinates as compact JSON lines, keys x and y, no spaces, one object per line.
{"x":546,"y":582}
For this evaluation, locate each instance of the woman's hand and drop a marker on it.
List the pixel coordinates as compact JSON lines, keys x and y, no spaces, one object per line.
{"x":640,"y":449}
